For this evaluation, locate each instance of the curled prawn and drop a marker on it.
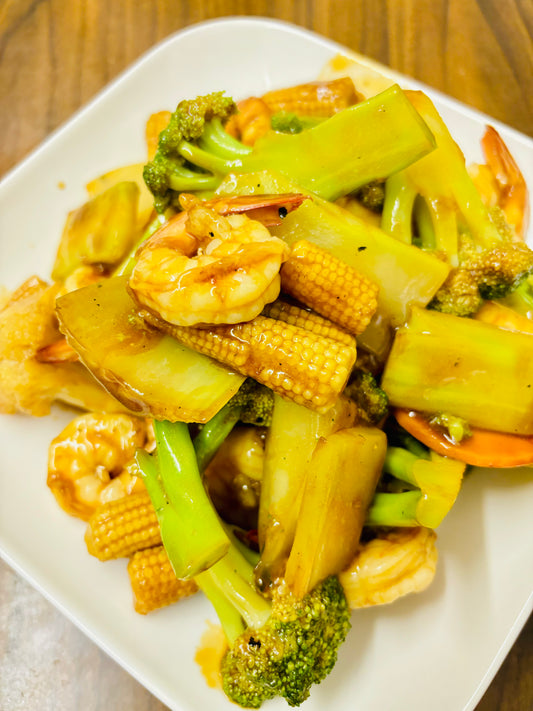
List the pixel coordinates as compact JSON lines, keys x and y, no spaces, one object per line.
{"x":91,"y":461}
{"x":510,"y":186}
{"x":211,"y":263}
{"x":395,"y":563}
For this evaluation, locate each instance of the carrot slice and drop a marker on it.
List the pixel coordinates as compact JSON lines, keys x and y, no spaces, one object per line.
{"x":485,"y":448}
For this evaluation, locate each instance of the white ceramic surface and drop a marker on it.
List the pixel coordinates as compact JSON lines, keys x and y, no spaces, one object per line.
{"x":438,"y":650}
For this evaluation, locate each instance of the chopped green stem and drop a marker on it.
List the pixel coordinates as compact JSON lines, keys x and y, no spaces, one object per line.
{"x":191,"y":530}
{"x":218,"y":141}
{"x":230,"y":619}
{"x":394,"y":509}
{"x":521,"y":299}
{"x":425,"y":233}
{"x":150,"y":475}
{"x":206,"y":160}
{"x":180,"y":182}
{"x":399,"y":462}
{"x":228,"y":576}
{"x":396,"y":219}
{"x":444,"y":221}
{"x":214,"y":432}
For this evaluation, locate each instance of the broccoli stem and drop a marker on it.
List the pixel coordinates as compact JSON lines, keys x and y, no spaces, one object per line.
{"x":399,"y":462}
{"x":182,"y":180}
{"x":442,"y":363}
{"x":217,"y":140}
{"x":229,"y":617}
{"x":206,"y":160}
{"x":232,"y":579}
{"x":396,"y":219}
{"x":521,"y":299}
{"x":193,"y":535}
{"x":426,"y":234}
{"x":214,"y":432}
{"x":191,"y":530}
{"x":394,"y":509}
{"x":385,"y":132}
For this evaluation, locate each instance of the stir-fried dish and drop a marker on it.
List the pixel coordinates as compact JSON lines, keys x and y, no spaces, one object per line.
{"x":291,"y":331}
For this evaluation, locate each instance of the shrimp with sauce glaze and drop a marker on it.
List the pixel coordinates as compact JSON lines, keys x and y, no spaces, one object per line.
{"x":211,"y":265}
{"x":501,"y":183}
{"x":91,"y":461}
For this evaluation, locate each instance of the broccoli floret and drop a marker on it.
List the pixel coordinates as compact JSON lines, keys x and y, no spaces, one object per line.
{"x":485,"y":274}
{"x":289,"y":122}
{"x":459,"y":295}
{"x":295,"y":649}
{"x":500,"y":270}
{"x":372,"y":402}
{"x":276,"y":648}
{"x":372,"y":195}
{"x":195,"y":152}
{"x":456,"y":428}
{"x":437,"y":197}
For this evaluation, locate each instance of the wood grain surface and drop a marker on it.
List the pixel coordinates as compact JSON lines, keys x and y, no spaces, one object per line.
{"x":54,"y":56}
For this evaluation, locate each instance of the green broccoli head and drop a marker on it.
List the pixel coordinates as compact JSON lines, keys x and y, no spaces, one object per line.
{"x":190,"y":117}
{"x":372,"y":402}
{"x":295,"y":649}
{"x":500,"y":270}
{"x":459,"y":295}
{"x":290,"y":122}
{"x":194,"y":150}
{"x":255,"y":403}
{"x":372,"y":195}
{"x":483,"y":274}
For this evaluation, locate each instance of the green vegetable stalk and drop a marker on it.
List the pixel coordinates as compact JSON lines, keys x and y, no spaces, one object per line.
{"x":364,"y":142}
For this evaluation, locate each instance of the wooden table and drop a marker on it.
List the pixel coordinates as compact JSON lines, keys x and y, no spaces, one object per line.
{"x":54,"y":56}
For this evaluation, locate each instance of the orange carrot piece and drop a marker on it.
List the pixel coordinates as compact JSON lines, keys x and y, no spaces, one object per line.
{"x":485,"y":448}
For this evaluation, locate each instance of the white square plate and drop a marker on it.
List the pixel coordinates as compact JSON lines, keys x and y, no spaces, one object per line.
{"x":438,"y":650}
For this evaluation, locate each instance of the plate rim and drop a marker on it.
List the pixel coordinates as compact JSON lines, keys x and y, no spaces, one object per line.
{"x":78,"y":114}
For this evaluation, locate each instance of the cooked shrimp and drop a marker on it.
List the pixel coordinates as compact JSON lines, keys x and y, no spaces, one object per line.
{"x":511,"y":188}
{"x":391,"y":565}
{"x":206,"y":268}
{"x":91,"y":461}
{"x":251,"y":122}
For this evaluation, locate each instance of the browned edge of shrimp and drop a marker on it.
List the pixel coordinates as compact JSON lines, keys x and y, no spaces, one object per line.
{"x":513,"y":196}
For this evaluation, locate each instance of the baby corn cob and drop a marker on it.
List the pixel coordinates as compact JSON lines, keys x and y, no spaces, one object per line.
{"x":322,"y":98}
{"x":290,"y":313}
{"x":329,"y":286}
{"x":153,"y":581}
{"x":120,"y":528}
{"x":295,"y":363}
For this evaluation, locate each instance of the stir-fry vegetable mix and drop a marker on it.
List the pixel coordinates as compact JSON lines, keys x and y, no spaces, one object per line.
{"x":289,"y":350}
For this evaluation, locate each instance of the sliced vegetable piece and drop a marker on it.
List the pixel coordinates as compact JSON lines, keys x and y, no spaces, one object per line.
{"x":339,"y":487}
{"x":101,"y":231}
{"x":128,"y":173}
{"x":149,"y":372}
{"x":291,"y":441}
{"x":405,"y":274}
{"x":485,"y":448}
{"x":297,"y":364}
{"x":443,"y":363}
{"x":370,"y":140}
